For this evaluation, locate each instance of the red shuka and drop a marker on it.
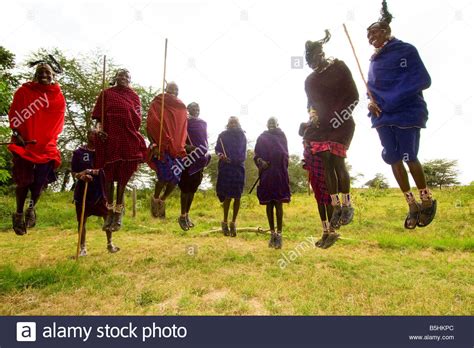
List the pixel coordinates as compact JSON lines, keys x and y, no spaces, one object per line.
{"x":37,"y":112}
{"x":122,"y":122}
{"x":175,"y":124}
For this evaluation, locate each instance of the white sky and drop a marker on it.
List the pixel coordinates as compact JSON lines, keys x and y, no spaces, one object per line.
{"x":234,"y":58}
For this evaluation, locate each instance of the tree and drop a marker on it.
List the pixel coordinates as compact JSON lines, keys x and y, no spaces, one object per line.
{"x":441,"y":172}
{"x":379,"y":182}
{"x":8,"y":83}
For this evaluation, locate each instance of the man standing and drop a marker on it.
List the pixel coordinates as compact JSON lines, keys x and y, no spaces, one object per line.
{"x":36,"y":114}
{"x":397,"y":78}
{"x":168,"y":144}
{"x":122,"y":147}
{"x":194,"y":163}
{"x":271,"y":158}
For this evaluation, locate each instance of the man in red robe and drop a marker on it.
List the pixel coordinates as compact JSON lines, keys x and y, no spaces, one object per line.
{"x":36,"y":118}
{"x":168,"y":147}
{"x":122,"y":147}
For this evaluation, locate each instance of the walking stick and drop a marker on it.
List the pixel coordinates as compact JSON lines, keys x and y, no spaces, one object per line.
{"x":32,"y":142}
{"x":103,"y":92}
{"x":371,"y":97}
{"x":81,"y":224}
{"x":163,"y":98}
{"x":256,"y":181}
{"x":223,"y":148}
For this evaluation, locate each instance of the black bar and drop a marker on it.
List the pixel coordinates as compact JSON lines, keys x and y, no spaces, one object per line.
{"x":291,"y":332}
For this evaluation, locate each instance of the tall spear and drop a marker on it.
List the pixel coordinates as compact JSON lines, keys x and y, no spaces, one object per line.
{"x":163,"y":98}
{"x":103,"y":94}
{"x":371,"y":97}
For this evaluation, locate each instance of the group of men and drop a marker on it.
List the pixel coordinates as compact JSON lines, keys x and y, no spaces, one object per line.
{"x":178,"y":150}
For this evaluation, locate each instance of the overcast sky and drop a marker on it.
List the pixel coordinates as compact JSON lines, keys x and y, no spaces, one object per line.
{"x":234,"y":58}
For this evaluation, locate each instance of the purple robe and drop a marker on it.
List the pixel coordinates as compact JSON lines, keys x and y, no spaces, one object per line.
{"x":231,"y":176}
{"x":274,"y":183}
{"x":333,"y":94}
{"x":83,"y":159}
{"x":197,"y":136}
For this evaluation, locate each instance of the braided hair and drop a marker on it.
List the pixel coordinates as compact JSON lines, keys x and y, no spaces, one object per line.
{"x":312,"y":46}
{"x":50,"y":61}
{"x":385,"y":18}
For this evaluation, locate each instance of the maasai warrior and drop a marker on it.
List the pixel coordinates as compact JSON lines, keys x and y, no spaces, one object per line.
{"x":332,"y":94}
{"x":82,"y":165}
{"x":173,"y":144}
{"x":194,"y":163}
{"x":314,"y":165}
{"x":271,"y":158}
{"x":122,"y":147}
{"x":37,"y":113}
{"x":231,"y":147}
{"x":397,"y":78}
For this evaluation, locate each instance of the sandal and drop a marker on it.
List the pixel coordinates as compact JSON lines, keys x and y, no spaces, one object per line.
{"x":427,"y":214}
{"x":108,"y":220}
{"x":336,"y":217}
{"x":271,"y":243}
{"x":30,"y":217}
{"x":183,"y":223}
{"x":225,"y":229}
{"x":112,"y":248}
{"x":321,"y":241}
{"x":413,"y":216}
{"x":18,"y":223}
{"x":330,"y":240}
{"x":278,"y":240}
{"x":347,"y":214}
{"x":189,"y":222}
{"x":233,"y":229}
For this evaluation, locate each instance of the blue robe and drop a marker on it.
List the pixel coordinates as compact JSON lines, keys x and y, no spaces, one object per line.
{"x":274,"y":184}
{"x":396,"y":79}
{"x":231,"y":176}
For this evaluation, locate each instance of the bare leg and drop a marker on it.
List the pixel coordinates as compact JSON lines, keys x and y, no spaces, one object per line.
{"x":184,"y":203}
{"x":169,"y":189}
{"x":158,"y":188}
{"x":21,"y":193}
{"x":109,"y":192}
{"x":329,"y":172}
{"x":235,"y":212}
{"x":270,"y":216}
{"x":401,"y":176}
{"x":279,"y":215}
{"x":190,"y":201}
{"x":120,"y":193}
{"x":417,"y":173}
{"x":343,"y":176}
{"x":226,"y":205}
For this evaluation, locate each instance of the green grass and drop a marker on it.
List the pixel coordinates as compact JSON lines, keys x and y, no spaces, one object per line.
{"x":378,"y":268}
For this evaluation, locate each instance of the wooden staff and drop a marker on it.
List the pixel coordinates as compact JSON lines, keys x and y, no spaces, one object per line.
{"x":163,"y":98}
{"x":32,"y":142}
{"x":371,"y":97}
{"x":223,"y":148}
{"x":81,"y":224}
{"x":103,"y":94}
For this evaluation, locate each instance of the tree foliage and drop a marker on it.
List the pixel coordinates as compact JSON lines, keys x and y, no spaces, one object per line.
{"x":441,"y":172}
{"x":378,"y":182}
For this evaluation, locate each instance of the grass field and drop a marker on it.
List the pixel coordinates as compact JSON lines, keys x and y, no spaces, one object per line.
{"x":379,"y":268}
